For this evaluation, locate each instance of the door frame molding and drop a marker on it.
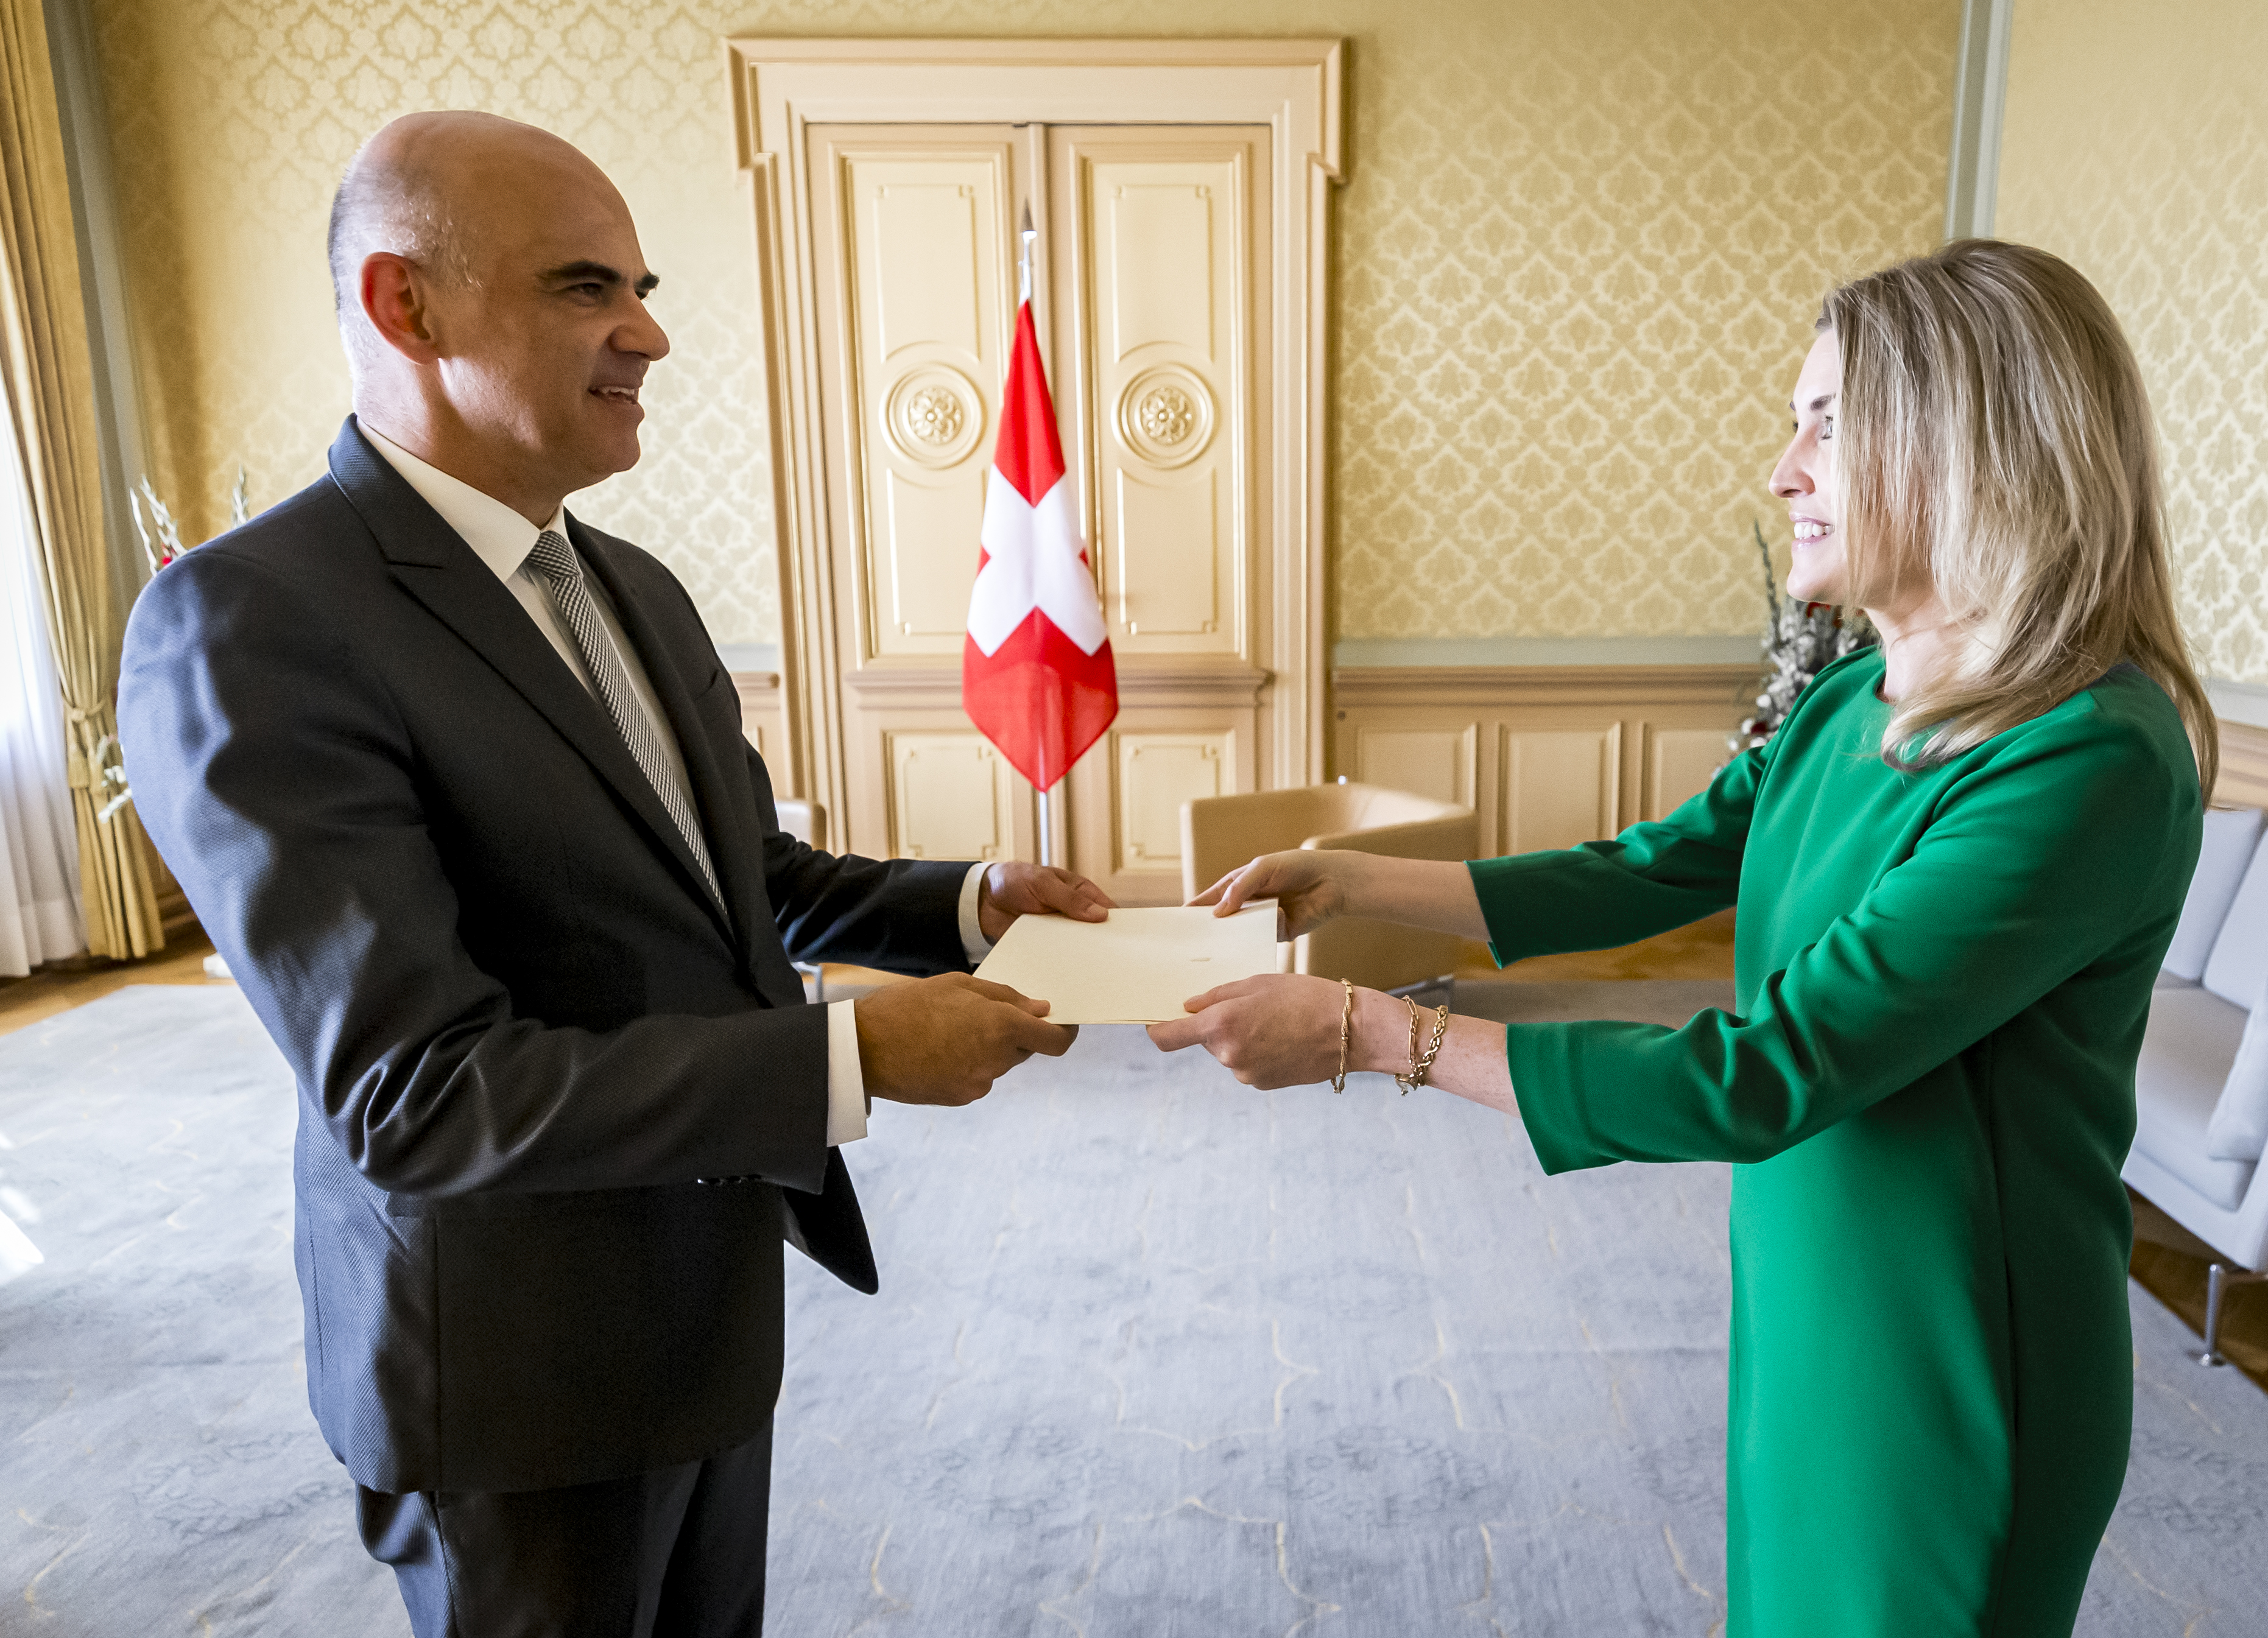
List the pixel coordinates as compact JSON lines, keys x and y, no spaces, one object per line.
{"x":781,"y":87}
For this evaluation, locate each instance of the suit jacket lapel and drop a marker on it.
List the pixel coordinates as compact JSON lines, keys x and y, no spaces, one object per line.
{"x":435,"y":567}
{"x":726,"y":805}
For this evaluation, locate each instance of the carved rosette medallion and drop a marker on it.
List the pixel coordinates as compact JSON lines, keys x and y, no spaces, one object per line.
{"x":1164,"y":416}
{"x":934,"y":416}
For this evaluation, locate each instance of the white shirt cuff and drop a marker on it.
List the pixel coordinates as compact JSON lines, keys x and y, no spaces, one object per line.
{"x":846,"y":1083}
{"x":973,"y":941}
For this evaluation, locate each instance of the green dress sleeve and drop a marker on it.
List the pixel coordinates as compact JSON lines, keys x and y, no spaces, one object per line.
{"x":2043,"y":855}
{"x":1650,"y":879}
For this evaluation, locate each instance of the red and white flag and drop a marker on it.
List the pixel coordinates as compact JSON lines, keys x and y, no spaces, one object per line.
{"x":1036,"y":674}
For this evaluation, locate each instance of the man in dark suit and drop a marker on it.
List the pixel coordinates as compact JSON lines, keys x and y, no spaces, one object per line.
{"x":458,"y":786}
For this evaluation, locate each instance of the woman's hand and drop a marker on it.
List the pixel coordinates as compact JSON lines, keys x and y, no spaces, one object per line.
{"x":1309,"y":886}
{"x":1281,"y":1029}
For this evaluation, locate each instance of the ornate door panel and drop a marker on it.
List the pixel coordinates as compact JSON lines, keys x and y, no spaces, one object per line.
{"x":1152,"y":773}
{"x":914,"y":228}
{"x":1164,"y":343}
{"x":1180,"y":191}
{"x":924,"y":247}
{"x":952,"y":796}
{"x":1155,"y":332}
{"x":1162,"y":340}
{"x":1180,"y":196}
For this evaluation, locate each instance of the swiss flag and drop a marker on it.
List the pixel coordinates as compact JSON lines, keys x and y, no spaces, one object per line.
{"x":1037,"y":674}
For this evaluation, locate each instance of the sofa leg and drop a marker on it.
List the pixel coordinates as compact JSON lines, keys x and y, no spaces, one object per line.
{"x":2219,"y":1277}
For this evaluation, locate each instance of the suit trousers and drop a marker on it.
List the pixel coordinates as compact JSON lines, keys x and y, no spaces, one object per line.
{"x":672,"y":1553}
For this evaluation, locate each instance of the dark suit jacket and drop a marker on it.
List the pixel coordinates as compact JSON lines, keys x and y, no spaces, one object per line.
{"x":521,"y":1027}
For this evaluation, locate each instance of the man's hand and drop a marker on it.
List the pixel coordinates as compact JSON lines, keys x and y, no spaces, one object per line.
{"x":1017,"y":889}
{"x":945,"y":1040}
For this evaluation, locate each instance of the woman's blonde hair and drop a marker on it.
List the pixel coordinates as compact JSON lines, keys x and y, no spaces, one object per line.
{"x":1995,"y":441}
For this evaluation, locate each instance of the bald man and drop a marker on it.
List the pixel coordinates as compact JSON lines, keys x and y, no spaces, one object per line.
{"x":458,"y":786}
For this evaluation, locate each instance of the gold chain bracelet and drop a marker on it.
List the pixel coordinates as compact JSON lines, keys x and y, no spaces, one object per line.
{"x":1346,"y":1034}
{"x":1421,"y":1066}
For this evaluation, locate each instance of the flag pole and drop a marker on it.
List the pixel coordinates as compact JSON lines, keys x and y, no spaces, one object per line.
{"x":1024,"y":235}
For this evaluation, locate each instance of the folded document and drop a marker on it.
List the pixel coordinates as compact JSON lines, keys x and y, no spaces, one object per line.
{"x":1137,"y":968}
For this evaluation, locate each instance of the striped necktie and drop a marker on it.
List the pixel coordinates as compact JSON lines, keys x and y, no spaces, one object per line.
{"x":561,"y":570}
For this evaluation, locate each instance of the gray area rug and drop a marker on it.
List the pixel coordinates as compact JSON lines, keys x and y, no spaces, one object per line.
{"x":1153,"y":1354}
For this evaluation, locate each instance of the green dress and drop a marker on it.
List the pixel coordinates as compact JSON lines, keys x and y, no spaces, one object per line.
{"x":1928,"y":1090}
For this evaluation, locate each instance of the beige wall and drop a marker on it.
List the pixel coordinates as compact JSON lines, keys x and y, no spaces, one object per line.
{"x":1579,"y":255}
{"x":2135,"y":143}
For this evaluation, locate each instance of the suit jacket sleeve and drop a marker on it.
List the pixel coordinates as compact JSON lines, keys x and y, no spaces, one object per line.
{"x":898,"y":915}
{"x":275,"y":772}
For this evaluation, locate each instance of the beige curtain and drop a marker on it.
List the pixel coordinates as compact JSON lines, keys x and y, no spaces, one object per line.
{"x":48,"y":375}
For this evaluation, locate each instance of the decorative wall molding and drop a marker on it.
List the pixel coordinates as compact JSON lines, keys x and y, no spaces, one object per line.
{"x":1546,"y":755}
{"x":1350,"y":653}
{"x":1354,"y":687}
{"x":761,"y":719}
{"x":1973,"y":170}
{"x":1141,"y":681}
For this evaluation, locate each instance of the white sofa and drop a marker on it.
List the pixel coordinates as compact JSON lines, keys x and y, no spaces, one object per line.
{"x":2201,"y":1088}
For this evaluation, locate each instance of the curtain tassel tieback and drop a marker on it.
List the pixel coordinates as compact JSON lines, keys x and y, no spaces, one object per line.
{"x":100,"y":772}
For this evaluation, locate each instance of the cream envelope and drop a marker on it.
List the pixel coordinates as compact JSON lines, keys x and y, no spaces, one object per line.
{"x":1137,"y":968}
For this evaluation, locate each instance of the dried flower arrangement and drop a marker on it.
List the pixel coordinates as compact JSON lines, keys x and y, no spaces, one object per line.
{"x":161,"y":535}
{"x":1800,"y":641}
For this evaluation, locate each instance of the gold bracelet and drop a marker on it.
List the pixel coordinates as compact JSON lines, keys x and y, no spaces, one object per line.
{"x":1346,"y":1034}
{"x":1420,"y":1066}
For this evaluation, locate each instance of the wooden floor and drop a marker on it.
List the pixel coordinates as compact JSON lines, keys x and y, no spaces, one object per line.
{"x":2167,"y":1262}
{"x":67,"y":984}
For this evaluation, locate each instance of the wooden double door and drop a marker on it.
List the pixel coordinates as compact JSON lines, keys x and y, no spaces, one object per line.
{"x":1152,"y":300}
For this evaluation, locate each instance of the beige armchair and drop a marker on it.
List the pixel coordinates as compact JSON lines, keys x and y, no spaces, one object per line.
{"x":1220,"y":832}
{"x":805,"y":821}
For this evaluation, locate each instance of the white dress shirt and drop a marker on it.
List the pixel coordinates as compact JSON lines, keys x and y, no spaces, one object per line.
{"x":502,"y":538}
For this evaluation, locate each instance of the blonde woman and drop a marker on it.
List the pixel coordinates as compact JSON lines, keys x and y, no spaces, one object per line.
{"x":1958,"y":866}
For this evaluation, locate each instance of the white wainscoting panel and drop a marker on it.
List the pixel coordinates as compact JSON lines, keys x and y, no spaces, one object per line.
{"x":1559,"y":786}
{"x":1436,"y":762}
{"x":1680,"y":762}
{"x":951,"y":797}
{"x":1563,"y":753}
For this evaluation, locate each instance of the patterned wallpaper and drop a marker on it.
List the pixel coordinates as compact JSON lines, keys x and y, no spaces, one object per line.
{"x":1579,"y":254}
{"x":1581,"y":263}
{"x":2135,"y":143}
